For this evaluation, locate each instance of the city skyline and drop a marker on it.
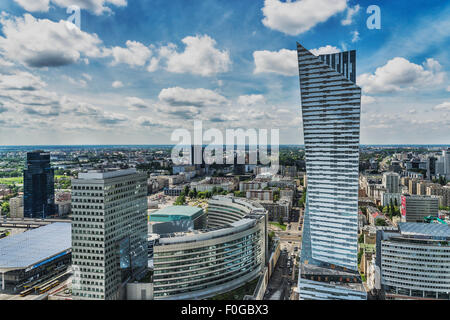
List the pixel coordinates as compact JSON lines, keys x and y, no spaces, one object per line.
{"x":133,"y":81}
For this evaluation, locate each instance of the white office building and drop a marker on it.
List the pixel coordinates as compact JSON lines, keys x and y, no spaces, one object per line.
{"x":415,"y":261}
{"x":109,"y":232}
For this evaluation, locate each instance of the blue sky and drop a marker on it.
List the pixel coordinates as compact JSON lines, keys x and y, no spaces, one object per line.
{"x":138,"y":70}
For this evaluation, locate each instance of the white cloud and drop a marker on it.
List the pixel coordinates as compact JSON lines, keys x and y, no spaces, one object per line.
{"x":135,"y":54}
{"x":296,"y":17}
{"x":34,"y":5}
{"x":178,"y":97}
{"x":355,"y":36}
{"x":251,"y":100}
{"x":444,"y":106}
{"x":80,"y":82}
{"x":117,"y":84}
{"x":200,"y":57}
{"x":367,"y":99}
{"x":136,"y":104}
{"x":97,"y":7}
{"x":153,"y":65}
{"x":21,"y":80}
{"x":399,"y":74}
{"x":87,"y":76}
{"x":325,"y":50}
{"x":350,"y":13}
{"x":44,"y":43}
{"x":281,"y":62}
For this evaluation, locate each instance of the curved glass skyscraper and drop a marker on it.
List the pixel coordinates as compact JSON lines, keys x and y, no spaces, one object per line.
{"x":331,"y":103}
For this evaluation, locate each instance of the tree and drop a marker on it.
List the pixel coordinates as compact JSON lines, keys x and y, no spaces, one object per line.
{"x":5,"y":208}
{"x":181,"y":200}
{"x":280,"y":220}
{"x":361,"y":238}
{"x":380,"y":222}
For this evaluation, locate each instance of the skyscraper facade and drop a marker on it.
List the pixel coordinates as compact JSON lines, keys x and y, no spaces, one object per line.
{"x":38,"y":186}
{"x":331,"y":103}
{"x":109,"y":232}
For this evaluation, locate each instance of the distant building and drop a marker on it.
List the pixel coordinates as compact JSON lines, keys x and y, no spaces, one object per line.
{"x":278,"y":210}
{"x":252,"y":185}
{"x":391,"y":182}
{"x":260,"y":194}
{"x":443,"y":164}
{"x":173,"y":191}
{"x":412,"y":186}
{"x":414,"y":261}
{"x":415,"y":208}
{"x":109,"y":232}
{"x":442,"y":191}
{"x":386,"y":199}
{"x":16,"y":207}
{"x":38,"y":186}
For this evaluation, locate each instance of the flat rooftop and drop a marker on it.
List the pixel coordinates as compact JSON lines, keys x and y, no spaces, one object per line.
{"x":32,"y":247}
{"x":101,"y":175}
{"x":173,"y":213}
{"x":424,"y":229}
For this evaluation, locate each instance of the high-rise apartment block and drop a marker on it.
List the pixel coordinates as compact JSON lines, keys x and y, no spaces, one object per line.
{"x":391,"y":182}
{"x":109,"y":232}
{"x":331,"y":103}
{"x":38,"y":186}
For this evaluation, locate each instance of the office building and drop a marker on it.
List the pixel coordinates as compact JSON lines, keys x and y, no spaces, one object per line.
{"x":415,"y":208}
{"x":109,"y":232}
{"x":414,"y":261}
{"x":198,"y":264}
{"x":331,"y":103}
{"x":38,"y":186}
{"x":391,"y":182}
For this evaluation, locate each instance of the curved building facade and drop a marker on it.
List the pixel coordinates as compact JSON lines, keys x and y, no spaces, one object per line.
{"x":202,"y":263}
{"x":415,"y":261}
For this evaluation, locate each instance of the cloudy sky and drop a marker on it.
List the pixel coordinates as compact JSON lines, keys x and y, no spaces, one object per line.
{"x":137,"y":70}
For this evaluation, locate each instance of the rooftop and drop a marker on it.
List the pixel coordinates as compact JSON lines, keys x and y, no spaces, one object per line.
{"x":172,"y":213}
{"x":31,"y":247}
{"x":424,"y":229}
{"x":100,"y":175}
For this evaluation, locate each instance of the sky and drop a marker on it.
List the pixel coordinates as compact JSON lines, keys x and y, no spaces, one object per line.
{"x":135,"y":71}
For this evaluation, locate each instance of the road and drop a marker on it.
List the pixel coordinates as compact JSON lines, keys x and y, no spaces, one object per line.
{"x":279,"y":283}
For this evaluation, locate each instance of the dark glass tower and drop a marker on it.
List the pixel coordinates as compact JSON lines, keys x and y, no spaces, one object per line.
{"x":38,"y":185}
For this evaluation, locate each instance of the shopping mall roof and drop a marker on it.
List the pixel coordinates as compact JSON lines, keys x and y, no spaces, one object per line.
{"x":173,"y":213}
{"x":34,"y":247}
